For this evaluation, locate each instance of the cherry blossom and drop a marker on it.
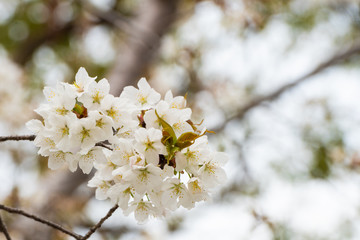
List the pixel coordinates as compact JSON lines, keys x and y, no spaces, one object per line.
{"x":147,"y":154}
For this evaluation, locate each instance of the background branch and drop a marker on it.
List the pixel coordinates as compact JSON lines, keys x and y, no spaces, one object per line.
{"x":336,"y":59}
{"x":153,"y":20}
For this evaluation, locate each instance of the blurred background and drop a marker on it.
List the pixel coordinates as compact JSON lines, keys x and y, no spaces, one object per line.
{"x":277,"y":80}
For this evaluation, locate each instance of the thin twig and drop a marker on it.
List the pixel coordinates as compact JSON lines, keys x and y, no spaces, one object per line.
{"x":336,"y":59}
{"x":17,"y":138}
{"x":41,"y":220}
{"x":4,"y":229}
{"x":98,"y":225}
{"x":101,"y":144}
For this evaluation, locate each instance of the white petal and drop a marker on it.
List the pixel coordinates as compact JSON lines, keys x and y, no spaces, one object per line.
{"x":56,"y":160}
{"x":143,"y":85}
{"x":72,"y":161}
{"x":34,"y":125}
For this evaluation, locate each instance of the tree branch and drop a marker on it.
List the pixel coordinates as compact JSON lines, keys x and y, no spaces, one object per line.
{"x":41,"y":220}
{"x":336,"y":59}
{"x":98,"y":225}
{"x":25,"y":52}
{"x":4,"y":230}
{"x":32,"y":138}
{"x":17,"y":138}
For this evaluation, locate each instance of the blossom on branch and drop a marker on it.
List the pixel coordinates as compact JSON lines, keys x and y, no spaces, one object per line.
{"x":156,"y":159}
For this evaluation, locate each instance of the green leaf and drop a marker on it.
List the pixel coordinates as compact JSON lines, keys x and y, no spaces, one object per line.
{"x":167,"y":128}
{"x":188,"y":136}
{"x":182,"y":145}
{"x":187,"y":139}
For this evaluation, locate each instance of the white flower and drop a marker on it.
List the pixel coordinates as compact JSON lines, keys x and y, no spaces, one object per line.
{"x":122,"y":152}
{"x":178,"y":121}
{"x":119,"y":173}
{"x":82,"y":80}
{"x":58,"y":159}
{"x":211,"y":172}
{"x":142,"y":210}
{"x":105,"y":169}
{"x":117,"y":109}
{"x":176,"y":194}
{"x":144,"y":178}
{"x":144,"y":97}
{"x":46,"y":144}
{"x":103,"y":123}
{"x":102,"y":187}
{"x":197,"y":191}
{"x":149,"y":144}
{"x":178,"y":102}
{"x":95,"y":93}
{"x":86,"y":161}
{"x":190,"y":158}
{"x":60,"y":131}
{"x":62,"y":100}
{"x":164,"y":112}
{"x":121,"y":193}
{"x":85,"y":134}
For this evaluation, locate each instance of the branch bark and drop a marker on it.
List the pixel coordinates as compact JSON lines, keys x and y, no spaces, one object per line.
{"x":340,"y":57}
{"x":17,"y":138}
{"x":25,"y":52}
{"x":4,"y":229}
{"x":41,"y":220}
{"x":36,"y":218}
{"x":98,"y":225}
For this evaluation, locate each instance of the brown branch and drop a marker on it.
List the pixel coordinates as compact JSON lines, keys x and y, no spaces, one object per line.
{"x":32,"y":137}
{"x":4,"y":229}
{"x":336,"y":59}
{"x":98,"y":225}
{"x":17,"y":138}
{"x":41,"y":220}
{"x":102,"y":144}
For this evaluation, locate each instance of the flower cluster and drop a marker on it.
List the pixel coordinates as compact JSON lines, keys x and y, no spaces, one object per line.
{"x":149,"y":156}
